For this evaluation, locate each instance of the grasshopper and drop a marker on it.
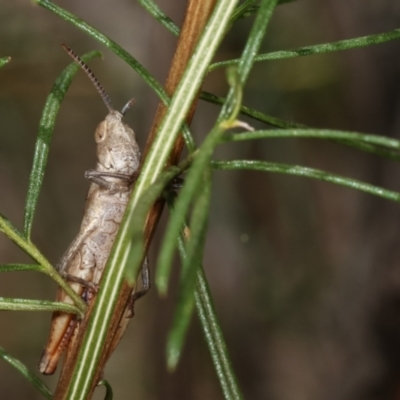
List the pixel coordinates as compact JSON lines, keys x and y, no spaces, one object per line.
{"x":118,"y":158}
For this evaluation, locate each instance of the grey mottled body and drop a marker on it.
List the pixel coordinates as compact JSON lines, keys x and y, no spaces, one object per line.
{"x":118,"y":161}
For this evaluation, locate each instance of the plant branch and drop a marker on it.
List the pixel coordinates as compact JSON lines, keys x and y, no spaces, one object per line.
{"x":340,"y":45}
{"x":308,"y":173}
{"x":79,"y":376}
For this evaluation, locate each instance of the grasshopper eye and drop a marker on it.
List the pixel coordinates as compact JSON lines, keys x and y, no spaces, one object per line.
{"x":101,"y":132}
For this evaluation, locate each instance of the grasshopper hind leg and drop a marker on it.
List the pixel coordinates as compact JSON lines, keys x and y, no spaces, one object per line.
{"x":53,"y":351}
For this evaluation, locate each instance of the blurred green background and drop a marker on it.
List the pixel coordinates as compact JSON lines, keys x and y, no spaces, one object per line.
{"x":305,"y":275}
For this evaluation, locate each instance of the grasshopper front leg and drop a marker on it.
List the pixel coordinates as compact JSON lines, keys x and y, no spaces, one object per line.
{"x":120,"y":184}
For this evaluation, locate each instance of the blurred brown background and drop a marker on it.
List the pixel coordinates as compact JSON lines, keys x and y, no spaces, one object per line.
{"x":305,"y":275}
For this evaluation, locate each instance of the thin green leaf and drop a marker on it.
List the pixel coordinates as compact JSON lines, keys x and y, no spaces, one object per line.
{"x":277,"y":122}
{"x":248,"y":8}
{"x":369,"y":148}
{"x":257,"y":115}
{"x":109,"y":392}
{"x":20,"y":267}
{"x":214,"y":338}
{"x":193,"y":178}
{"x":347,"y":44}
{"x":30,"y":376}
{"x":308,"y":173}
{"x":139,"y":219}
{"x":314,"y":133}
{"x":12,"y":233}
{"x":114,"y":272}
{"x":160,"y":16}
{"x":163,"y":271}
{"x":11,"y":304}
{"x":191,"y":187}
{"x":209,"y":322}
{"x":188,"y":138}
{"x":4,"y":61}
{"x":243,"y":9}
{"x":195,"y":247}
{"x":256,"y":36}
{"x":248,"y":13}
{"x":45,"y":134}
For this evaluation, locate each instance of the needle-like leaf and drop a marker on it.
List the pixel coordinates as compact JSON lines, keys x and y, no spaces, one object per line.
{"x":45,"y":134}
{"x":30,"y":376}
{"x":308,"y":173}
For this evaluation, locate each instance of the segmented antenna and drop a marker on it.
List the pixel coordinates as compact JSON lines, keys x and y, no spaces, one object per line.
{"x":127,"y":106}
{"x":91,"y":76}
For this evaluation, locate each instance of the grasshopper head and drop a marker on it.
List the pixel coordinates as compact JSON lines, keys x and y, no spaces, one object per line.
{"x":117,"y":150}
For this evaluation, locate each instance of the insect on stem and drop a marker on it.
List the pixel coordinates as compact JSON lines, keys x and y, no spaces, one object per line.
{"x":83,"y":263}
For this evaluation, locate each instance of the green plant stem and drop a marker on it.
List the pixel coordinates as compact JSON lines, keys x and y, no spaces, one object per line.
{"x":114,"y":273}
{"x":308,"y":173}
{"x":346,"y":44}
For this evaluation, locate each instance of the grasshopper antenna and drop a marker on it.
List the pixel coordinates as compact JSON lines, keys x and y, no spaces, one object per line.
{"x":94,"y":80}
{"x":127,"y":106}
